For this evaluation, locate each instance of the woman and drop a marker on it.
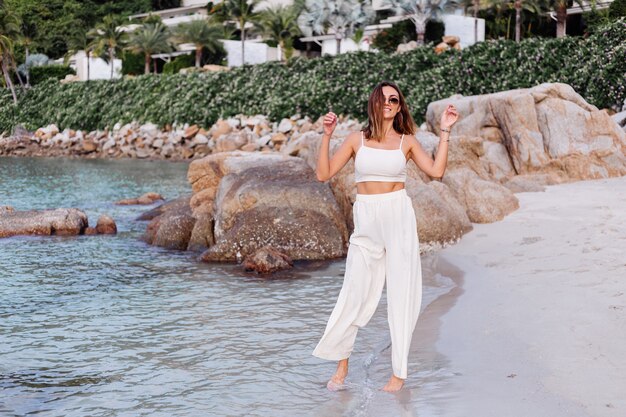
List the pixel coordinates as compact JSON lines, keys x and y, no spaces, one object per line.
{"x":384,"y":243}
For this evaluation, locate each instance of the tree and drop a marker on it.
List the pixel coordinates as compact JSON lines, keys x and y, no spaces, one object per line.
{"x":9,"y":32}
{"x":497,"y":13}
{"x":531,"y":6}
{"x":242,"y":11}
{"x":203,"y":33}
{"x":280,"y":23}
{"x":341,"y":18}
{"x":58,"y":21}
{"x":81,"y":42}
{"x":150,"y":39}
{"x":420,"y":12}
{"x":109,"y":39}
{"x":617,"y":8}
{"x":474,"y":6}
{"x":560,"y":9}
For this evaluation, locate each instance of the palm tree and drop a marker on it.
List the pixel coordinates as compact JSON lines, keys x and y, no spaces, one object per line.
{"x":357,"y":37}
{"x":421,"y":11}
{"x":109,"y":38}
{"x":9,"y":32}
{"x":560,"y":9}
{"x":532,"y":6}
{"x":280,"y":23}
{"x":81,"y":41}
{"x":148,"y":40}
{"x":473,"y":6}
{"x":341,"y":17}
{"x":203,"y":33}
{"x":495,"y":10}
{"x":242,"y":11}
{"x":6,"y":50}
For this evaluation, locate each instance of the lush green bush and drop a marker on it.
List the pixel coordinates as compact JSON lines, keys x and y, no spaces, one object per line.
{"x":42,"y":73}
{"x":178,"y":63}
{"x":593,"y":66}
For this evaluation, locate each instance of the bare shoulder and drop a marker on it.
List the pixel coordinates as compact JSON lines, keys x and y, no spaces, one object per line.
{"x":353,"y":139}
{"x":412,"y":144}
{"x":411,"y":140}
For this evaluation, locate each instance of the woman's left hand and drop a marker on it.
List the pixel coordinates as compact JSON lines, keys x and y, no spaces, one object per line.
{"x":449,"y":117}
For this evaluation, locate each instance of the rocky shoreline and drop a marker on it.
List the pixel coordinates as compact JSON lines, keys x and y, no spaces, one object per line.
{"x":148,"y":141}
{"x":255,"y":191}
{"x":514,"y":141}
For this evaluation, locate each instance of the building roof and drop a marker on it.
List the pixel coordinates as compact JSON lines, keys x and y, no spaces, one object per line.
{"x":586,"y":7}
{"x":178,"y":11}
{"x":369,"y":30}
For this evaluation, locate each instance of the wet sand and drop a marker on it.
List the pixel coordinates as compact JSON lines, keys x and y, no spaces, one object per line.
{"x":537,"y":326}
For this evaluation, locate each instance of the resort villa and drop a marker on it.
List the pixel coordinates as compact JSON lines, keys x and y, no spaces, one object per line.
{"x":456,"y":23}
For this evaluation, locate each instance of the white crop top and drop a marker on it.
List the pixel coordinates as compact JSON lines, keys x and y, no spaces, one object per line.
{"x":386,"y":165}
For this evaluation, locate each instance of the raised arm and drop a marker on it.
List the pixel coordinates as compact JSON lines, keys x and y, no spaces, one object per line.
{"x":327,"y":167}
{"x":435,"y":168}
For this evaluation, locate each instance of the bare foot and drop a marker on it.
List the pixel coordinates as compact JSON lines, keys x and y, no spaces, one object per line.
{"x":336,"y":381}
{"x":395,"y":384}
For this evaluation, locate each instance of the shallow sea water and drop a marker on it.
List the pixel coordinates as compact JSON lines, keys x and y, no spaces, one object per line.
{"x":109,"y":326}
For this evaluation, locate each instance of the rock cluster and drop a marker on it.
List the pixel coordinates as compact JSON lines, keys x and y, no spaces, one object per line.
{"x":255,"y":191}
{"x":58,"y":222}
{"x":448,"y":42}
{"x":508,"y":142}
{"x":147,"y":141}
{"x":244,"y":201}
{"x":545,"y":135}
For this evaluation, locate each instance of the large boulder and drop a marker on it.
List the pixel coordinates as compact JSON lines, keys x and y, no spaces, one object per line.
{"x":62,"y":222}
{"x":171,"y":228}
{"x":342,"y":184}
{"x":440,"y":217}
{"x":106,"y":225}
{"x":254,"y":200}
{"x":547,"y":128}
{"x":484,"y":201}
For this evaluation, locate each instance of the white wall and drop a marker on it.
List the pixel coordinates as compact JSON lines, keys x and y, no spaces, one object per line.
{"x":329,"y":46}
{"x":256,"y":52}
{"x":177,"y":20}
{"x":98,"y":68}
{"x":463,"y":27}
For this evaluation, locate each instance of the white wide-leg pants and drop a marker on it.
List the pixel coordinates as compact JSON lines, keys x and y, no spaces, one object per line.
{"x":384,"y":244}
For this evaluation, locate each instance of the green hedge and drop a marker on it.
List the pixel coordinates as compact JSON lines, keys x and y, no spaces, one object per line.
{"x":593,"y":66}
{"x":42,"y":73}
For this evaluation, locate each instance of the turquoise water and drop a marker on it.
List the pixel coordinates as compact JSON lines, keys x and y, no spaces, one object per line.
{"x":109,"y":326}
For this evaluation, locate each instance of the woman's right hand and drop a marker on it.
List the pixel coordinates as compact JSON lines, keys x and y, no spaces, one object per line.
{"x":330,"y":122}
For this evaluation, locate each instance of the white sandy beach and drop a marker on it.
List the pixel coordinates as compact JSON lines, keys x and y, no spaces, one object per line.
{"x":539,"y":328}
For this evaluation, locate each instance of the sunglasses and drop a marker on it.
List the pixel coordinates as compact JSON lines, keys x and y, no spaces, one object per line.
{"x":393,"y":100}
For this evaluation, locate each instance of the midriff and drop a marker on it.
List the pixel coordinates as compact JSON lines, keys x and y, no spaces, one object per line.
{"x":378,"y":187}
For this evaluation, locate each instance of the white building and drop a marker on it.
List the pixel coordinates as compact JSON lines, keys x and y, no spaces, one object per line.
{"x":189,"y":11}
{"x":586,"y":6}
{"x":255,"y":50}
{"x":98,"y":68}
{"x":455,"y":24}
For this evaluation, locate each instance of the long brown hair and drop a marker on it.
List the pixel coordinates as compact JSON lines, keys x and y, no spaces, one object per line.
{"x":403,"y":122}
